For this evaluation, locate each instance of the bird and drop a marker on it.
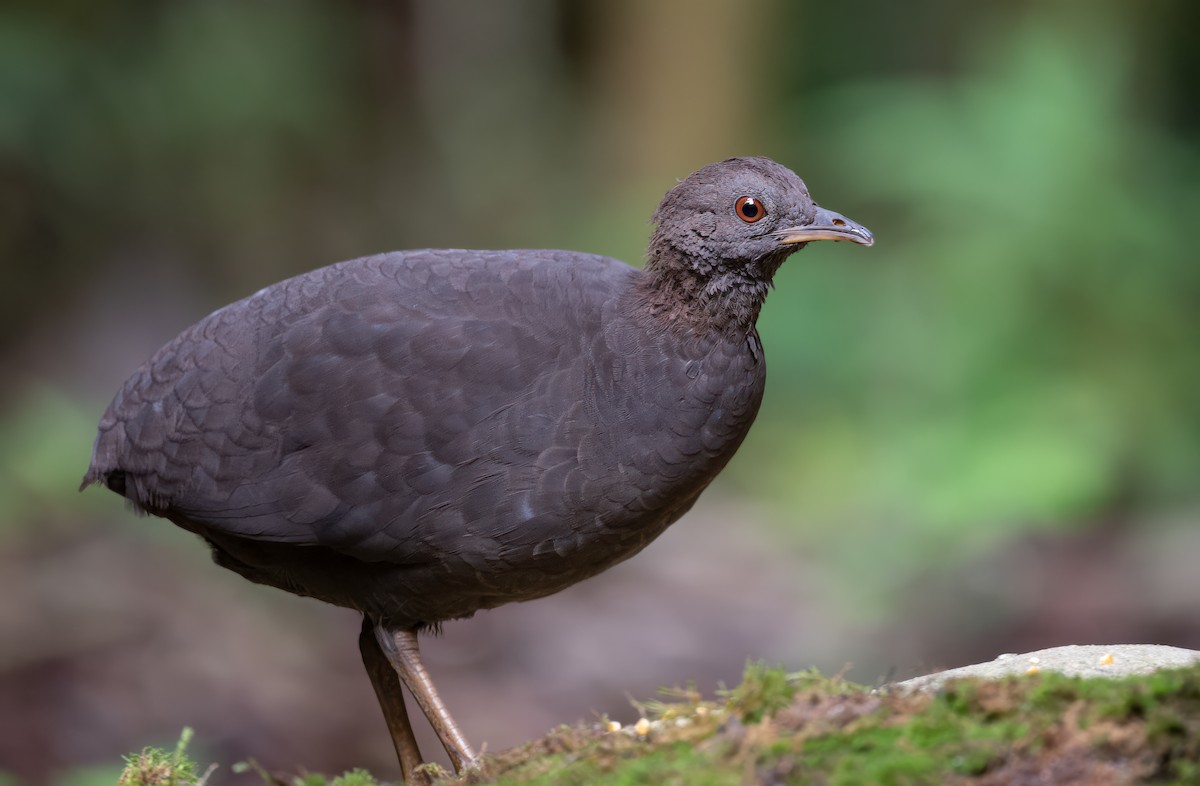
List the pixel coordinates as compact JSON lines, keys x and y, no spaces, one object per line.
{"x":421,"y":435}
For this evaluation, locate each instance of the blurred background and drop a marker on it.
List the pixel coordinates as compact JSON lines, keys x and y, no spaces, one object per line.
{"x":980,"y":436}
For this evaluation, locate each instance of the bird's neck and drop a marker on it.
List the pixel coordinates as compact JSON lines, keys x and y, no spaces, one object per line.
{"x":704,"y":296}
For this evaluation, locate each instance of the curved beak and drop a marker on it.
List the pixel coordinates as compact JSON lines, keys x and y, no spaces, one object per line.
{"x":826,"y":225}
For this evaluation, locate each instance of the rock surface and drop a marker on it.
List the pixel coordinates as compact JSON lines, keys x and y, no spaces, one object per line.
{"x":1088,"y":660}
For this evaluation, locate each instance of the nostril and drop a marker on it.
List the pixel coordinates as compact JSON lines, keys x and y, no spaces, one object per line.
{"x":837,"y":222}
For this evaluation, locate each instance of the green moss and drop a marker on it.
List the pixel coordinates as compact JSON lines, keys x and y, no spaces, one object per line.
{"x":355,"y":777}
{"x":676,"y":764}
{"x":157,"y":767}
{"x":804,"y":728}
{"x":764,"y":691}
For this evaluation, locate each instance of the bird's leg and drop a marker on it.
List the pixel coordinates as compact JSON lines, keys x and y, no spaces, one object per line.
{"x":391,"y":699}
{"x":400,"y":647}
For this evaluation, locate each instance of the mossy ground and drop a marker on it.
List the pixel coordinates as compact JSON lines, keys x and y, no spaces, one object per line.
{"x":777,"y":728}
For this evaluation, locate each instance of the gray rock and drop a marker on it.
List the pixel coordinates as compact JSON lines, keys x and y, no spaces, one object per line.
{"x":1088,"y":660}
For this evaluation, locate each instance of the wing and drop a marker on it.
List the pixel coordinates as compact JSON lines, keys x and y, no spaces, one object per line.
{"x":374,"y":406}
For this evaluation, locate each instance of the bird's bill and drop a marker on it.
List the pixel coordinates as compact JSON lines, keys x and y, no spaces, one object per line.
{"x":827,"y":225}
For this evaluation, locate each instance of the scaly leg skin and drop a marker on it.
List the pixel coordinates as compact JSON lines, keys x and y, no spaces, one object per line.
{"x":391,"y":700}
{"x":400,"y":648}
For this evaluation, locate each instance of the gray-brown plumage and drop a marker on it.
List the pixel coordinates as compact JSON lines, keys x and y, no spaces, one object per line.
{"x":423,"y":434}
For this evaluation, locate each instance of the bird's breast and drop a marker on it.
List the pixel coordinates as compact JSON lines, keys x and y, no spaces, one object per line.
{"x":657,"y":427}
{"x":668,"y":417}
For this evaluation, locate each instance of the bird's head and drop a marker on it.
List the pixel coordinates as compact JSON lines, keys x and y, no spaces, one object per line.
{"x":734,"y":222}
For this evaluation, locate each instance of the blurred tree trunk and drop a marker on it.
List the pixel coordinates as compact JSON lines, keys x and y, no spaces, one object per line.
{"x":674,"y":86}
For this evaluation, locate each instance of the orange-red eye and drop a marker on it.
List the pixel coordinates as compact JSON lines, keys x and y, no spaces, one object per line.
{"x":749,"y":209}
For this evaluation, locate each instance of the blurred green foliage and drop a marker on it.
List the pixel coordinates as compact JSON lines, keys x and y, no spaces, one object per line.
{"x":98,"y":775}
{"x":139,"y":124}
{"x":1020,"y":350}
{"x":39,"y":458}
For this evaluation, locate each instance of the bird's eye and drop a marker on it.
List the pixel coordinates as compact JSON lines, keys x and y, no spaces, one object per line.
{"x":749,"y":209}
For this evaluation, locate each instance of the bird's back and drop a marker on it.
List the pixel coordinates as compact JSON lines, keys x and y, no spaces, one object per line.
{"x":484,"y":426}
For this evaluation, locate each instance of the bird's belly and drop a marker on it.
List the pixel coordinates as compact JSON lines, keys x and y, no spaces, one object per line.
{"x":444,"y":585}
{"x":556,"y":563}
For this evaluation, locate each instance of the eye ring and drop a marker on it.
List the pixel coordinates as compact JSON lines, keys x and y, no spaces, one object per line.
{"x":749,"y":209}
